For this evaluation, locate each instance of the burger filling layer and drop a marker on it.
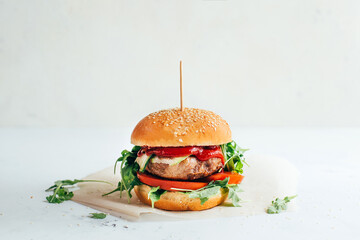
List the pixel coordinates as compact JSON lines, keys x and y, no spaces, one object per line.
{"x":190,"y":168}
{"x":176,"y":168}
{"x":181,"y":163}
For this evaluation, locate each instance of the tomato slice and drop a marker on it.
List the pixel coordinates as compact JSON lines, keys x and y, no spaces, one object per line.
{"x":169,"y":185}
{"x":235,"y":178}
{"x":173,"y":185}
{"x":203,"y":153}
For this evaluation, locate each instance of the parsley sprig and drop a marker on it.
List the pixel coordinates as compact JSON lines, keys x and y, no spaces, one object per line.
{"x":279,"y":205}
{"x":61,"y":191}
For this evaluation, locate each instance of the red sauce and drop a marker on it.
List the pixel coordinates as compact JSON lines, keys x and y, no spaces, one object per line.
{"x":201,"y":153}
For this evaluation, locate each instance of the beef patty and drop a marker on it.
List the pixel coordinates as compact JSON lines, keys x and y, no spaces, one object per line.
{"x":189,"y":169}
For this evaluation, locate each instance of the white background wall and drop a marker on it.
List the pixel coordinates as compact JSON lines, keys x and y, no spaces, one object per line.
{"x":109,"y":63}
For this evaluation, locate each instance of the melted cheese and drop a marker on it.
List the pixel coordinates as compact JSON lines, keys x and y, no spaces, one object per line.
{"x":169,"y":161}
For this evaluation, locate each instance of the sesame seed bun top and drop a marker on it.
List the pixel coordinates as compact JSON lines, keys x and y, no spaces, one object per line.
{"x":173,"y":127}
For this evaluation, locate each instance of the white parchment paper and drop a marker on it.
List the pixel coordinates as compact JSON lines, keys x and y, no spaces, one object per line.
{"x":267,"y":177}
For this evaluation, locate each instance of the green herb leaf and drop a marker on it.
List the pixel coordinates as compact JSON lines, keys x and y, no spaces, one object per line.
{"x":214,"y":188}
{"x":234,"y":158}
{"x":128,"y":169}
{"x":155,"y":194}
{"x":60,"y":196}
{"x":68,"y":182}
{"x":62,"y":193}
{"x":205,"y":194}
{"x":98,"y":215}
{"x":279,"y":205}
{"x":233,"y":190}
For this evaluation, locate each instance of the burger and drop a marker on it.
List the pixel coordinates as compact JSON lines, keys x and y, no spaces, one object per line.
{"x":182,"y":160}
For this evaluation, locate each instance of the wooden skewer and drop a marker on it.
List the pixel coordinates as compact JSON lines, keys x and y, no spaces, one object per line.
{"x":181,"y":88}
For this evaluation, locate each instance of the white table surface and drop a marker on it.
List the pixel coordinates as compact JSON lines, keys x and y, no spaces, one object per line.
{"x":31,"y":159}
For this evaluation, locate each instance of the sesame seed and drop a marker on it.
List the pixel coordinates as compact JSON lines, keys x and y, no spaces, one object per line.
{"x":188,"y":120}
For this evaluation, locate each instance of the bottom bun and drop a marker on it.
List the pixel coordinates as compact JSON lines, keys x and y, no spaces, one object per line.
{"x":178,"y":201}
